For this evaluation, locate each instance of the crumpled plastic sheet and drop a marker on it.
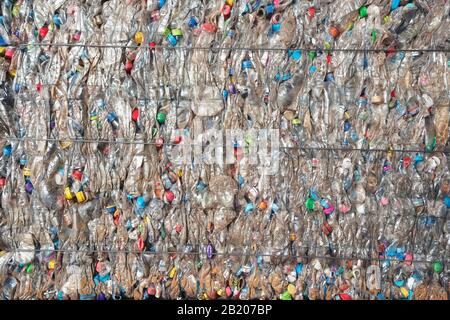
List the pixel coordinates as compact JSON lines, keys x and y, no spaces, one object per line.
{"x":109,"y":218}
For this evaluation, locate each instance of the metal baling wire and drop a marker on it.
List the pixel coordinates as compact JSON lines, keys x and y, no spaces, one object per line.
{"x":173,"y":144}
{"x":230,"y":254}
{"x":20,"y":45}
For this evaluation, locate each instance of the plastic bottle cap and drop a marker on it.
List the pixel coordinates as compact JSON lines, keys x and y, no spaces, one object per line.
{"x":291,"y":289}
{"x":226,"y":10}
{"x":77,"y":175}
{"x":310,"y":204}
{"x":43,"y":32}
{"x":80,"y":196}
{"x":295,"y":54}
{"x":312,"y":55}
{"x":7,"y":150}
{"x":135,"y":114}
{"x":177,"y":32}
{"x":363,"y":12}
{"x":177,"y":139}
{"x":9,"y":53}
{"x":170,"y":196}
{"x":139,"y":37}
{"x":29,"y":187}
{"x":334,"y":32}
{"x":67,"y":193}
{"x":209,"y":27}
{"x":51,"y":264}
{"x":437,"y":266}
{"x":161,"y":117}
{"x":128,"y":66}
{"x":286,"y":296}
{"x":140,"y":202}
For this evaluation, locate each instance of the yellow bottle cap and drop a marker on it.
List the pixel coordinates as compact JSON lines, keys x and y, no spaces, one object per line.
{"x":68,"y":194}
{"x":80,"y":196}
{"x":291,"y":289}
{"x":172,"y":272}
{"x":139,"y":37}
{"x":51,"y":264}
{"x":26,"y":172}
{"x":65,"y":144}
{"x":13,"y":73}
{"x":404,"y":292}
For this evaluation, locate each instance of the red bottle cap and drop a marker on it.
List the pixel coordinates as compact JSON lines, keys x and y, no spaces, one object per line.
{"x":406,"y":161}
{"x":159,"y":142}
{"x":77,"y":175}
{"x":209,"y":27}
{"x":177,"y":139}
{"x":226,"y":10}
{"x":43,"y":32}
{"x":2,"y":181}
{"x":311,"y":12}
{"x":9,"y":53}
{"x":128,"y":66}
{"x":135,"y":114}
{"x":169,"y":196}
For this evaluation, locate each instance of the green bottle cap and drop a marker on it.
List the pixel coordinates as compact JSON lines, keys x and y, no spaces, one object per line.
{"x":296,"y":122}
{"x":437,"y":266}
{"x":29,"y":268}
{"x":312,"y":55}
{"x":363,"y":12}
{"x":154,"y":132}
{"x":310,"y":204}
{"x":286,"y":296}
{"x":160,"y":117}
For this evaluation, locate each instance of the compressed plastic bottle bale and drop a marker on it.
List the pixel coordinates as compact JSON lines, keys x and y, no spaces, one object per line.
{"x":98,"y":97}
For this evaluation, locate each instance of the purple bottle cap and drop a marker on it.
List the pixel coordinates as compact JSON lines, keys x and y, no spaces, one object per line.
{"x":209,"y":251}
{"x":29,"y":187}
{"x":101,"y":296}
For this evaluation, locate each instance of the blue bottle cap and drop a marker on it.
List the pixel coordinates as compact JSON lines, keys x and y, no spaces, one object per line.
{"x":3,"y":42}
{"x":201,"y":185}
{"x":7,"y":150}
{"x":225,"y":93}
{"x":240,"y":180}
{"x":249,"y":207}
{"x":192,"y":23}
{"x":172,"y":40}
{"x":447,"y":201}
{"x":270,"y":9}
{"x":312,"y":69}
{"x":140,"y":202}
{"x":275,"y":207}
{"x":111,"y":117}
{"x":246,"y":64}
{"x":347,"y":126}
{"x":324,"y":203}
{"x":295,"y":54}
{"x":276,"y":27}
{"x":313,"y":194}
{"x":161,"y":3}
{"x":298,"y":268}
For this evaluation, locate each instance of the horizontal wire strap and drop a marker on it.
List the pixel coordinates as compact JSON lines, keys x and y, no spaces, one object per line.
{"x":135,"y":142}
{"x":204,"y":48}
{"x":230,"y":254}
